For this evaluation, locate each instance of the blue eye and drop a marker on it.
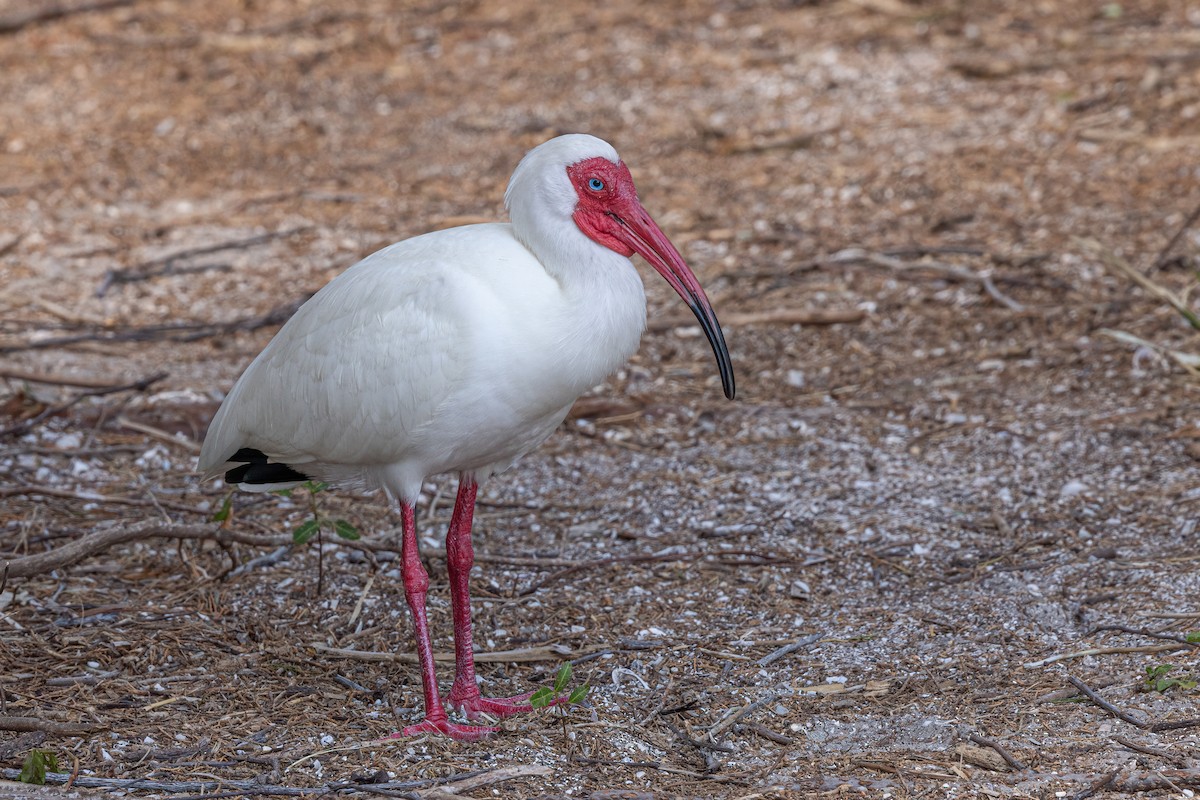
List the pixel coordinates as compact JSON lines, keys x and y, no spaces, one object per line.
{"x":596,"y":185}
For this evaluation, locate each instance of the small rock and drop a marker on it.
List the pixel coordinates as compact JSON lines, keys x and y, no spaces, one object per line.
{"x":1072,"y":488}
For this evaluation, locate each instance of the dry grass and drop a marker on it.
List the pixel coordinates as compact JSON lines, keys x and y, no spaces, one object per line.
{"x":952,"y":481}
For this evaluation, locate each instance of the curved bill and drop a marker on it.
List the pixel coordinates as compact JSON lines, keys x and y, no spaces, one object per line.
{"x":641,"y":233}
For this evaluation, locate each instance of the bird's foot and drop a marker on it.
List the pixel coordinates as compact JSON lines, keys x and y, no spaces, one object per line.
{"x":462,"y":733}
{"x":471,"y":703}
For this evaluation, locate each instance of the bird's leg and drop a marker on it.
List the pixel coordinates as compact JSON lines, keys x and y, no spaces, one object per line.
{"x":416,"y":586}
{"x":460,"y":556}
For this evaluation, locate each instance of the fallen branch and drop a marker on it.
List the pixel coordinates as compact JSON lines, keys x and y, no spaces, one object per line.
{"x":1159,"y":779}
{"x":92,"y":497}
{"x":1000,"y":749}
{"x":47,"y":12}
{"x":765,"y":733}
{"x":174,"y":332}
{"x":1170,"y":637}
{"x":657,"y":765}
{"x":1104,"y":651}
{"x":165,"y":265}
{"x":467,"y":781}
{"x":788,"y":649}
{"x":93,"y":543}
{"x":1191,"y":220}
{"x":12,"y":373}
{"x":137,"y":386}
{"x":1176,"y":725}
{"x":854,"y":255}
{"x":454,"y":788}
{"x":1178,"y":761}
{"x":26,"y":724}
{"x":776,"y":316}
{"x":1122,"y":267}
{"x":1103,"y":782}
{"x":1189,"y":361}
{"x":552,"y":652}
{"x":736,"y":714}
{"x":1092,"y":695}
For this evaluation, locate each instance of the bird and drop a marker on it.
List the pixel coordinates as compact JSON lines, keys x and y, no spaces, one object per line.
{"x":457,"y":351}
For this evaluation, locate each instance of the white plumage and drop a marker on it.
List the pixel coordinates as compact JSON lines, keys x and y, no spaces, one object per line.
{"x":457,"y":351}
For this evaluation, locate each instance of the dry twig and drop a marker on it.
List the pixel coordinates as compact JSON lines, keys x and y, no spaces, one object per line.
{"x":788,"y":649}
{"x":165,"y":265}
{"x":1126,"y":716}
{"x":1161,"y":260}
{"x":775,"y":316}
{"x":25,"y":724}
{"x":1096,"y":786}
{"x":1160,"y":779}
{"x":238,"y":788}
{"x":140,"y":385}
{"x":47,"y":12}
{"x":1150,"y":751}
{"x":553,"y":652}
{"x":173,"y":332}
{"x":1107,"y":706}
{"x":855,"y":255}
{"x":1171,"y":637}
{"x":12,"y":373}
{"x":1102,"y":651}
{"x":734,"y":715}
{"x":1000,"y":749}
{"x":1122,"y":267}
{"x":97,"y":541}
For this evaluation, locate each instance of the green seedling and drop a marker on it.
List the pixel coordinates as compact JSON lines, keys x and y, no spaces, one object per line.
{"x":1157,"y":680}
{"x":547,"y":695}
{"x":552,"y":697}
{"x":223,"y":513}
{"x":317,"y":523}
{"x":36,"y":765}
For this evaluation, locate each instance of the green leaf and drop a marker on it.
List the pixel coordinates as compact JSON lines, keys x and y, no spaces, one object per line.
{"x":282,"y":492}
{"x":316,"y":486}
{"x":346,"y":530}
{"x":578,"y":694}
{"x":1193,"y":637}
{"x":563,"y":678}
{"x":542,"y":697}
{"x":222,"y":513}
{"x":305,"y":531}
{"x":1157,"y":671}
{"x":33,"y":770}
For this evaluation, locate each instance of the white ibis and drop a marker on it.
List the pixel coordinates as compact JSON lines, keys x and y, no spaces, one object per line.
{"x":457,"y":351}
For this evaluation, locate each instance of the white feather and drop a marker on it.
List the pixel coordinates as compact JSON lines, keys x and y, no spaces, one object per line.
{"x":459,"y":350}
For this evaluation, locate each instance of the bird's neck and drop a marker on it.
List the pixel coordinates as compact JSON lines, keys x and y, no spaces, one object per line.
{"x":604,"y":301}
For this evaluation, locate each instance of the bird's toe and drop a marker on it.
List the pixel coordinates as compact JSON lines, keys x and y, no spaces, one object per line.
{"x":461,"y":733}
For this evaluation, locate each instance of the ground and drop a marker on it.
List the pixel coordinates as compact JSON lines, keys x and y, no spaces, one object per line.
{"x":944,"y":498}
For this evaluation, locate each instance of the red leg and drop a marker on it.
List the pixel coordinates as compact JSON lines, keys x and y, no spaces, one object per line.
{"x":416,"y":586}
{"x":460,"y":556}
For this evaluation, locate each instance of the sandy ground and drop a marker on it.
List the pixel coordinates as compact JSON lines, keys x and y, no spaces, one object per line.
{"x":946,"y":498}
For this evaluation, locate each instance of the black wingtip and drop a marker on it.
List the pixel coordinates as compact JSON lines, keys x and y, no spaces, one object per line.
{"x":257,"y":470}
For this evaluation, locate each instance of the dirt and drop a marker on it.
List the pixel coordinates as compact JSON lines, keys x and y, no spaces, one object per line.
{"x":949,"y":499}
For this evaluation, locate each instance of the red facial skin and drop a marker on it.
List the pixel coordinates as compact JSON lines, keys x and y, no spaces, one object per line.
{"x":609,"y":213}
{"x":592,"y":214}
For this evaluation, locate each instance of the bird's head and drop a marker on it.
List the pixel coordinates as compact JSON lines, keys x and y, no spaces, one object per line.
{"x":582,"y":179}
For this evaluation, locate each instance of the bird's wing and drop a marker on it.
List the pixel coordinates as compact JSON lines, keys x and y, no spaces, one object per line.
{"x":354,"y":374}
